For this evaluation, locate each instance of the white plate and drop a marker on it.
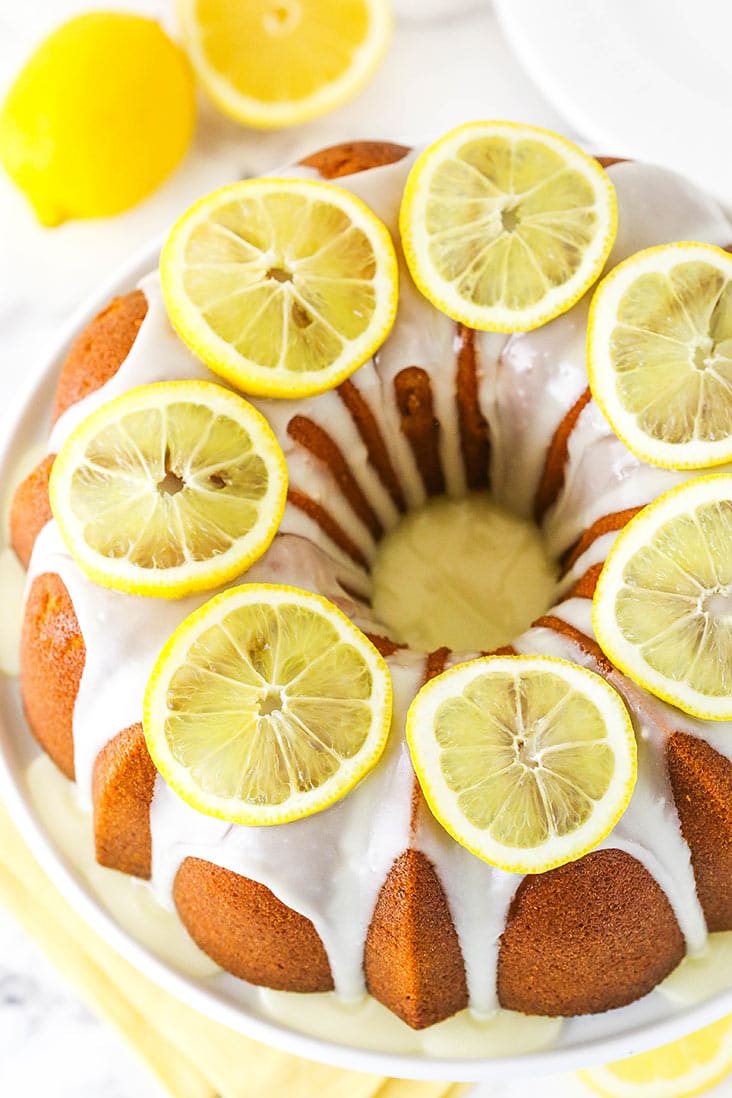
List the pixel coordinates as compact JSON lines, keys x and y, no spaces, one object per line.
{"x":650,"y":77}
{"x":598,"y":1039}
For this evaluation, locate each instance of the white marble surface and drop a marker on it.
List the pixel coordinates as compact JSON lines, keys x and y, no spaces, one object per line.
{"x":449,"y":63}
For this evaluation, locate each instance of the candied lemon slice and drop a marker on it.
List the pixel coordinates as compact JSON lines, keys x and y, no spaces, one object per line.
{"x":283,"y":287}
{"x":659,"y":353}
{"x":528,"y":761}
{"x":168,"y":489}
{"x":662,"y":609}
{"x":271,"y":63}
{"x":678,"y":1070}
{"x":505,"y":226}
{"x":267,"y":704}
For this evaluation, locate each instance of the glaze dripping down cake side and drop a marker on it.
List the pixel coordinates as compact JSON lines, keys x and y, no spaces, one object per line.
{"x":371,"y":893}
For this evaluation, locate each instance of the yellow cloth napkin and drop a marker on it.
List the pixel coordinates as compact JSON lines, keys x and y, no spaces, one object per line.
{"x":194,"y":1057}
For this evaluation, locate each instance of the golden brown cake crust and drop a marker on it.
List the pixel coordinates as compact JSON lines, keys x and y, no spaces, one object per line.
{"x":242,"y":926}
{"x":604,"y":525}
{"x":373,"y":440}
{"x":122,"y":792}
{"x":351,"y":157}
{"x":313,"y":438}
{"x":474,"y":436}
{"x":413,"y":394}
{"x":701,"y":780}
{"x":100,"y":350}
{"x":556,"y":459}
{"x":592,"y":935}
{"x":412,"y":959}
{"x":52,"y":656}
{"x":30,"y":510}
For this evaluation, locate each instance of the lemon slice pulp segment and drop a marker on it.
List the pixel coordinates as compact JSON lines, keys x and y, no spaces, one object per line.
{"x":662,"y":609}
{"x":266,"y":705}
{"x":283,"y":287}
{"x":528,"y":761}
{"x":660,"y":354}
{"x":271,"y":63}
{"x":505,"y":226}
{"x":678,"y":1070}
{"x":168,"y":489}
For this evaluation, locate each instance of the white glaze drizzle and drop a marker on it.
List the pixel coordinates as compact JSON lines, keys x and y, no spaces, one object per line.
{"x":527,"y":383}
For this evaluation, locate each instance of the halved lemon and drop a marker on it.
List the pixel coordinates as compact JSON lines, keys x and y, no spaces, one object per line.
{"x":662,"y":609}
{"x":271,"y":63}
{"x":528,"y":761}
{"x":505,"y":226}
{"x":282,"y":286}
{"x":678,"y":1070}
{"x":168,"y":489}
{"x":266,"y":705}
{"x":659,"y":354}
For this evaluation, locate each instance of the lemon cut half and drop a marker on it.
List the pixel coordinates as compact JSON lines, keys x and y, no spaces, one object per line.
{"x":168,"y":489}
{"x":283,"y":287}
{"x":528,"y":761}
{"x":662,"y":609}
{"x":678,"y":1070}
{"x":660,"y":354}
{"x":505,"y":226}
{"x":271,"y":63}
{"x":266,"y":705}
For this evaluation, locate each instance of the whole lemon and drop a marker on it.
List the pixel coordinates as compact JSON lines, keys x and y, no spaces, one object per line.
{"x":100,"y":115}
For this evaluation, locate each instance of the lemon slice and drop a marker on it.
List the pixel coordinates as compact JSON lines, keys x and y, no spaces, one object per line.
{"x":677,"y":1070}
{"x":271,"y":63}
{"x":266,"y":705}
{"x":169,"y":488}
{"x":505,"y":226}
{"x":282,"y":286}
{"x":659,"y":354}
{"x":528,"y":761}
{"x":662,"y":609}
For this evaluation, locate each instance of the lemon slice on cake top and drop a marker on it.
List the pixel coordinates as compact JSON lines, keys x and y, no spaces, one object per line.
{"x":659,"y":354}
{"x":662,"y":609}
{"x":266,"y":705}
{"x":505,"y":226}
{"x":528,"y":761}
{"x":168,"y":489}
{"x":283,"y":287}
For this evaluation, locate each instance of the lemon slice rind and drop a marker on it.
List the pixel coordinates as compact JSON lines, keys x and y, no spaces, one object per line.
{"x":218,"y":354}
{"x":174,"y":581}
{"x":441,"y":292}
{"x":261,"y":114}
{"x":175,"y":654}
{"x":661,"y":1073}
{"x":658,"y":260}
{"x":443,"y":801}
{"x":637,"y":536}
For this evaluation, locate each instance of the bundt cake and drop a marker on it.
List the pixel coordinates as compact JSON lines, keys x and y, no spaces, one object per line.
{"x":371,"y":894}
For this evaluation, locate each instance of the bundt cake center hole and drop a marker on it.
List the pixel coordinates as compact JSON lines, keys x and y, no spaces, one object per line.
{"x":280,"y":274}
{"x":462,"y":573}
{"x":272,"y":702}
